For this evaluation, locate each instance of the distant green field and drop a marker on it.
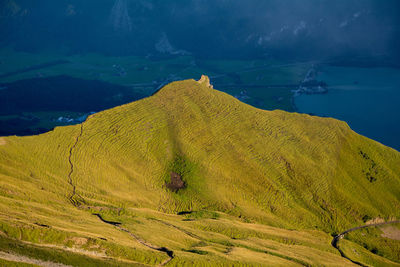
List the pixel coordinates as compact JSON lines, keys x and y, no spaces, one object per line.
{"x":142,"y":72}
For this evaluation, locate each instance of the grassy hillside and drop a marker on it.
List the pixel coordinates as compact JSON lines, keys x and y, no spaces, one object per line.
{"x":259,"y":187}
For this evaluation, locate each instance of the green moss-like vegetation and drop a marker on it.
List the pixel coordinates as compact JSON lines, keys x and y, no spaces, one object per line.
{"x":182,"y":166}
{"x":197,"y":251}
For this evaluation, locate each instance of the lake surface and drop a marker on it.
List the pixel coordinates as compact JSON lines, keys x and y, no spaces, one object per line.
{"x":368,"y":99}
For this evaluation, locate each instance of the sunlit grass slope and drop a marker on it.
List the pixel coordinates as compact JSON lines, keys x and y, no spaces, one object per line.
{"x":264,"y":187}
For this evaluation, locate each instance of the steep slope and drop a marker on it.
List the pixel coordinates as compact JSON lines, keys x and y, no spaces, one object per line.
{"x":229,"y":168}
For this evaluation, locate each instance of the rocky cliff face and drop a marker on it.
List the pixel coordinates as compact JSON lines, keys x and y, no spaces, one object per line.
{"x":9,"y":8}
{"x":120,"y":18}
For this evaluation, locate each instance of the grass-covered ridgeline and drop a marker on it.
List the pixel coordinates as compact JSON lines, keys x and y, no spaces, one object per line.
{"x":261,"y":187}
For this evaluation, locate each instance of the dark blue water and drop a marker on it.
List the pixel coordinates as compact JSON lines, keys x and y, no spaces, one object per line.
{"x":368,"y":99}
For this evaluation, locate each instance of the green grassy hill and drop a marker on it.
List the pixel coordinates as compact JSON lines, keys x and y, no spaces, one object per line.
{"x":260,"y":187}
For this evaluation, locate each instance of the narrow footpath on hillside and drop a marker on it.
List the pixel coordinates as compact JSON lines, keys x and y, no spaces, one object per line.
{"x":71,"y":171}
{"x":336,"y":239}
{"x":77,"y":203}
{"x":24,"y":259}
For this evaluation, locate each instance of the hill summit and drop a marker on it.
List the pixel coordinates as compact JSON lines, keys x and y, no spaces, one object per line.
{"x":199,"y":172}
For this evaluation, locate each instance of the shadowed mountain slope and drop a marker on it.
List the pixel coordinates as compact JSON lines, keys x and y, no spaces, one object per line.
{"x":244,"y":174}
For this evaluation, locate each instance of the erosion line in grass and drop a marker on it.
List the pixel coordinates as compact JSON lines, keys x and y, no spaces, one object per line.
{"x":177,"y":228}
{"x":71,"y":171}
{"x":336,"y":239}
{"x":165,"y":250}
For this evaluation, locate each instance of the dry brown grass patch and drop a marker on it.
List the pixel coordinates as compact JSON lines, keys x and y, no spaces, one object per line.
{"x":391,"y":232}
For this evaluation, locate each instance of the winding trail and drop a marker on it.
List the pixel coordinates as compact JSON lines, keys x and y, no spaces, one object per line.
{"x":165,"y":250}
{"x":24,"y":259}
{"x":336,"y":239}
{"x":71,"y":171}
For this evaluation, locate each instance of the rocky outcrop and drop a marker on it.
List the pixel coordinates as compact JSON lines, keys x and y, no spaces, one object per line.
{"x":205,"y":80}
